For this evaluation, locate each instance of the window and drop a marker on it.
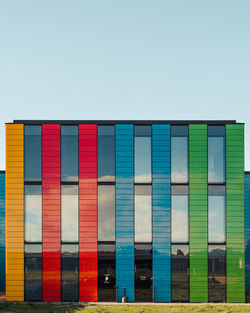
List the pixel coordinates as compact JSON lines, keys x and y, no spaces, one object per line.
{"x":216,"y":154}
{"x":180,"y":273}
{"x":179,"y":154}
{"x":106,"y":272}
{"x":33,"y":213}
{"x":143,"y":272}
{"x":69,"y":223}
{"x":106,"y":213}
{"x":70,"y":270}
{"x":32,"y":153}
{"x":143,"y":154}
{"x":179,"y":216}
{"x":217,"y":273}
{"x":69,"y":153}
{"x":106,"y":153}
{"x":143,"y":213}
{"x":216,"y":214}
{"x":33,"y":272}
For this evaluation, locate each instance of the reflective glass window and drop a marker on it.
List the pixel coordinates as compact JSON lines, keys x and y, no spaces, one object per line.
{"x":180,"y":273}
{"x":143,"y":272}
{"x":69,"y":213}
{"x":33,"y":213}
{"x":33,"y":153}
{"x":69,"y":153}
{"x":216,"y":154}
{"x":106,"y":153}
{"x":33,"y":272}
{"x":179,"y":154}
{"x":142,"y":154}
{"x":143,"y":213}
{"x":216,"y":214}
{"x":106,"y":213}
{"x":106,"y":273}
{"x":179,"y":216}
{"x":70,"y":270}
{"x":217,"y":273}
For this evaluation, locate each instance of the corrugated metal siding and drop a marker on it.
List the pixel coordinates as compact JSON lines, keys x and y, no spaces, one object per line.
{"x":51,"y":197}
{"x":2,"y":231}
{"x":88,"y":272}
{"x":14,"y":213}
{"x":161,"y":197}
{"x":125,"y":210}
{"x":198,"y":213}
{"x":235,"y":213}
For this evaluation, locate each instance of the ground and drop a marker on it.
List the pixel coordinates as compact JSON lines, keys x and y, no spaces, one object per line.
{"x":123,"y":308}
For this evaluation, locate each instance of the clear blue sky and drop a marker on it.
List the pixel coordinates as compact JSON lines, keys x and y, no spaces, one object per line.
{"x":132,"y":59}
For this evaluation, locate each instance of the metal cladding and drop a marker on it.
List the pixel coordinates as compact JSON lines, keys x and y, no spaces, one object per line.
{"x":106,"y":257}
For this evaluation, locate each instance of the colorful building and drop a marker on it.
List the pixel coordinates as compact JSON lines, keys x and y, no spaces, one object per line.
{"x":154,"y":210}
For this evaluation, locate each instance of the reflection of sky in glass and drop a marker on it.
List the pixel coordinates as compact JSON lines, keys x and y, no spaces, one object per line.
{"x":179,"y":159}
{"x":106,"y":158}
{"x":216,"y":219}
{"x":33,"y":217}
{"x":69,"y":215}
{"x":143,"y":218}
{"x":142,"y":159}
{"x":216,"y":160}
{"x":179,"y":218}
{"x":106,"y":213}
{"x":69,"y":156}
{"x":33,"y":153}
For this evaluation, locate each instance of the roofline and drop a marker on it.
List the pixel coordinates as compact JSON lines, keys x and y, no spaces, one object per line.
{"x":138,"y":122}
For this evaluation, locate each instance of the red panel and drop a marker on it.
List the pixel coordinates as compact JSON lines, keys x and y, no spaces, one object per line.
{"x":51,"y":212}
{"x":88,"y":212}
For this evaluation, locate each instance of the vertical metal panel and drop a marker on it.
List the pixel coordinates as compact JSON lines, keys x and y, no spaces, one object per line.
{"x":51,"y":196}
{"x":88,"y":272}
{"x":198,"y":210}
{"x":235,"y":212}
{"x":247,"y":236}
{"x":125,"y":211}
{"x":2,"y":231}
{"x":14,"y":213}
{"x":161,"y":207}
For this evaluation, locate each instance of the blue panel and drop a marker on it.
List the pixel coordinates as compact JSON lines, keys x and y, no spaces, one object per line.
{"x":125,"y":211}
{"x":2,"y":231}
{"x":247,"y":234}
{"x":161,"y":192}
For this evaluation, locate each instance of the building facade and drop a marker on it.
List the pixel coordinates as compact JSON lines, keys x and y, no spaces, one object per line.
{"x":153,"y":210}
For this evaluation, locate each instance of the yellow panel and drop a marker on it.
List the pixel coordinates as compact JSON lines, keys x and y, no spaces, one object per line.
{"x":14,"y":213}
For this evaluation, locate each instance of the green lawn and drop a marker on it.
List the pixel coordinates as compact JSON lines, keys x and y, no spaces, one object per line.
{"x":122,"y":308}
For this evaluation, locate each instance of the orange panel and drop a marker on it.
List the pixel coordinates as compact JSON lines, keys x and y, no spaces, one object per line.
{"x":14,"y":213}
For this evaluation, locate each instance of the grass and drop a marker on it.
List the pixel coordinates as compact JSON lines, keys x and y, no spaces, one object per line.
{"x":122,"y":308}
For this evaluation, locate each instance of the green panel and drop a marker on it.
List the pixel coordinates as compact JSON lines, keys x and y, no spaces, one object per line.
{"x":198,"y":213}
{"x":235,"y":212}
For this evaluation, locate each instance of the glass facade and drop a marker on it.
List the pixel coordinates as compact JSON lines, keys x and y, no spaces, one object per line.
{"x":33,"y":213}
{"x":69,"y":213}
{"x":106,"y":154}
{"x":33,"y":272}
{"x":179,"y":220}
{"x":179,"y":154}
{"x":106,"y":272}
{"x":150,"y":210}
{"x":69,"y":153}
{"x":216,"y":154}
{"x":180,"y":273}
{"x":70,"y":270}
{"x":143,"y":214}
{"x":216,"y":214}
{"x":217,"y":273}
{"x":33,"y":153}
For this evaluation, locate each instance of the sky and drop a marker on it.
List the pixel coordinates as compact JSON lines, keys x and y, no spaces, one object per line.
{"x":133,"y":59}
